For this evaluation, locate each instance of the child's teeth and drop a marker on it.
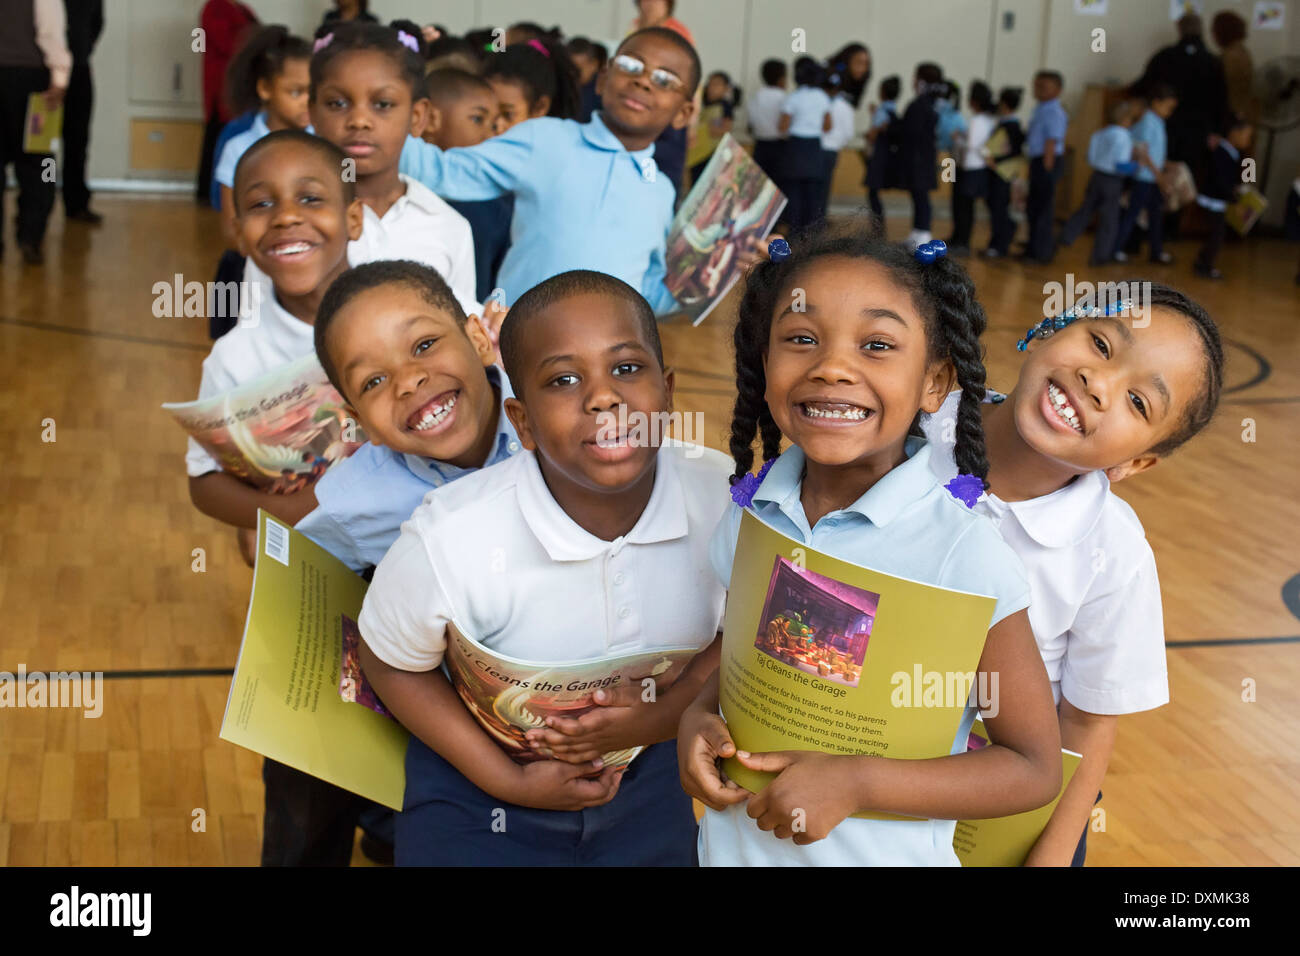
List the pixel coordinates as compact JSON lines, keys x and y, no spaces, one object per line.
{"x":852,"y":414}
{"x":1063,"y":407}
{"x":435,"y":415}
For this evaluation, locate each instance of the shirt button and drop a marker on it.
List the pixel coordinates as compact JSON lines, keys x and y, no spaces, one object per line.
{"x":623,"y":612}
{"x":513,"y":446}
{"x":618,"y":578}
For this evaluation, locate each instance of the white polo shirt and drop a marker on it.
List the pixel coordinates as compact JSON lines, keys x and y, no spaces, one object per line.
{"x":806,"y":106}
{"x":841,"y":131}
{"x":765,"y":112}
{"x":1095,"y":597}
{"x":422,"y":227}
{"x":496,"y":554}
{"x":268,"y":339}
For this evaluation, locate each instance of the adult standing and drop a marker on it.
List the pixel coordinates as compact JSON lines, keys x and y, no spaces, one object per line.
{"x":34,"y":58}
{"x":670,"y":147}
{"x":1229,"y":32}
{"x":85,"y":24}
{"x":345,"y":10}
{"x":1197,"y":78}
{"x":223,"y":23}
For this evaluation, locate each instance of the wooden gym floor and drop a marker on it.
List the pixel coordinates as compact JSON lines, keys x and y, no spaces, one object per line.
{"x":97,"y":536}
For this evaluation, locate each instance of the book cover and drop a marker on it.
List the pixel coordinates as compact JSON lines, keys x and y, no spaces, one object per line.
{"x":42,"y":126}
{"x":1006,"y":841}
{"x":820,"y":654}
{"x":279,"y":432}
{"x":733,"y":201}
{"x":284,"y":700}
{"x":1244,"y":211}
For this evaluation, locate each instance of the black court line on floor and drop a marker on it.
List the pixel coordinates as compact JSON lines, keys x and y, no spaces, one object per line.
{"x":98,"y":334}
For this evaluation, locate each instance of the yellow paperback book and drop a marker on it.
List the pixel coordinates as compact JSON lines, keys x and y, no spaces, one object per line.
{"x":820,"y":654}
{"x":1006,"y":841}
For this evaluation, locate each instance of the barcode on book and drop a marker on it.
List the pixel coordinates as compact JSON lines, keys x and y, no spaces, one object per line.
{"x":277,"y":542}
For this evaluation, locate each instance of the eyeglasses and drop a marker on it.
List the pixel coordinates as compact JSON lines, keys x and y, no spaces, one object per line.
{"x":660,"y":78}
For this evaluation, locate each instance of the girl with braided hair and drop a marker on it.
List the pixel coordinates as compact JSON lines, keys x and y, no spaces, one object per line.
{"x":843,"y":345}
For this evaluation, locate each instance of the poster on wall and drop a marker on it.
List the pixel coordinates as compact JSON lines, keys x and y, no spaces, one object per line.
{"x":1269,"y":15}
{"x":1091,"y":8}
{"x":1180,"y":8}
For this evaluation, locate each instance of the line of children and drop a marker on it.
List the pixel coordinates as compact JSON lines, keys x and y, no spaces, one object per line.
{"x":1110,"y":152}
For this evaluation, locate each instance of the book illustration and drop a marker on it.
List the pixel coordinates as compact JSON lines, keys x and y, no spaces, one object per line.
{"x":280,"y":432}
{"x":353,"y":686}
{"x":509,"y":697}
{"x":42,"y":126}
{"x":733,"y":201}
{"x":816,"y":624}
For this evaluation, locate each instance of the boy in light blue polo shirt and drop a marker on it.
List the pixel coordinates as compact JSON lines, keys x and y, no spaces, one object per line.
{"x":1044,"y":145}
{"x":587,"y":195}
{"x":1110,"y":154}
{"x":419,"y":378}
{"x":1149,"y":152}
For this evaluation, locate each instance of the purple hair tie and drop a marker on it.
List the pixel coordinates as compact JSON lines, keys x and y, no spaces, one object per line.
{"x":408,"y":41}
{"x":742,"y":492}
{"x":540,"y":47}
{"x":966,"y":489}
{"x":322,"y":43}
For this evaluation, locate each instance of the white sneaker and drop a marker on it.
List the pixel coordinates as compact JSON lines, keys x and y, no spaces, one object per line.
{"x":1121,"y":257}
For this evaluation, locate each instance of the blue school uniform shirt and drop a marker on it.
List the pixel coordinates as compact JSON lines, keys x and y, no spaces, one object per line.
{"x":806,"y":107}
{"x":362,"y":501}
{"x":239,"y":124}
{"x":1150,"y":131}
{"x":1110,"y":150}
{"x":885,"y":113}
{"x":1048,"y":121}
{"x":582,"y":201}
{"x":907,"y":524}
{"x":950,"y":123}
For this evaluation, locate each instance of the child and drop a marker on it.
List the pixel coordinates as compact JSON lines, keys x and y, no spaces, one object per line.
{"x":805,"y":115}
{"x":835,"y":138}
{"x":884,"y":137}
{"x":1006,"y":161}
{"x":589,"y":59}
{"x":1110,"y":152}
{"x":883,"y":337}
{"x":294,"y":215}
{"x":367,"y":97}
{"x":463,"y":112}
{"x":1149,"y":151}
{"x":972,"y":170}
{"x":1044,"y":144}
{"x":1100,"y":400}
{"x":765,"y":119}
{"x":1221,"y":188}
{"x":399,"y":349}
{"x":918,"y":156}
{"x":586,"y":194}
{"x":532,"y":79}
{"x":590,"y":537}
{"x":715,"y":120}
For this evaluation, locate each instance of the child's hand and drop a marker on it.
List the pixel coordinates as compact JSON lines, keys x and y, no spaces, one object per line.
{"x":702,"y":739}
{"x":619,"y":721}
{"x":812,"y":793}
{"x":553,"y":785}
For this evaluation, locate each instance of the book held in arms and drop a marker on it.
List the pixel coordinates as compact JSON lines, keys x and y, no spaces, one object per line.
{"x":733,"y":201}
{"x":820,"y":654}
{"x":279,"y":432}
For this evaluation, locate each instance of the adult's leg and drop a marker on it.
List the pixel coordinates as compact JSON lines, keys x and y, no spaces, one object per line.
{"x":77,"y":107}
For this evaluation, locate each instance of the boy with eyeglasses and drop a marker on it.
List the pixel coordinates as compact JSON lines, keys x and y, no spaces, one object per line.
{"x":587,"y":195}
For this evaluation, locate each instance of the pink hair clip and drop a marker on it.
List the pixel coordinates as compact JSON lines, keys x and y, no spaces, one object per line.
{"x":322,"y":43}
{"x":540,"y":47}
{"x":408,"y":41}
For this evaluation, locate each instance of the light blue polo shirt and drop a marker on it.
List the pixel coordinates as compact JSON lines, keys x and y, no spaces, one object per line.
{"x":908,"y":525}
{"x":886,"y":112}
{"x":362,"y":501}
{"x":1150,"y":131}
{"x":806,"y":106}
{"x":1048,"y":121}
{"x":236,"y":146}
{"x":1110,"y":149}
{"x":582,"y":201}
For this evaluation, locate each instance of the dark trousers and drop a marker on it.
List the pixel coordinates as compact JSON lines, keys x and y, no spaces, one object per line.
{"x":230,"y":268}
{"x":77,"y":108}
{"x":447,"y":821}
{"x":207,"y":159}
{"x":1040,"y":206}
{"x":1101,"y":199}
{"x":874,"y":201}
{"x":1146,"y":196}
{"x":972,"y":184}
{"x":310,"y":822}
{"x":1003,"y":227}
{"x":35,"y":186}
{"x":803,"y":168}
{"x":1213,"y":242}
{"x":767,"y":153}
{"x":921,"y":209}
{"x":829,"y":158}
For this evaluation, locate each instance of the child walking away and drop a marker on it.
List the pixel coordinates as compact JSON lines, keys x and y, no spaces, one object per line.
{"x":884,"y":337}
{"x":885,"y":139}
{"x":368,"y":97}
{"x":918,"y":149}
{"x":1004,"y":154}
{"x":835,"y":138}
{"x":1044,"y":145}
{"x":765,"y":119}
{"x":593,"y":534}
{"x":973,"y":173}
{"x":717,"y":116}
{"x":805,"y":115}
{"x":1110,"y":152}
{"x":1148,"y":182}
{"x":586,"y":194}
{"x":1222,"y":184}
{"x":1103,"y":394}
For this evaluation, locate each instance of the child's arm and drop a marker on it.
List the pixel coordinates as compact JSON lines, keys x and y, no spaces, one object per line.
{"x":1021,"y":769}
{"x":783,"y":124}
{"x":624,"y":718}
{"x":1092,"y":735}
{"x":226,"y":498}
{"x":493,"y":168}
{"x":702,"y":739}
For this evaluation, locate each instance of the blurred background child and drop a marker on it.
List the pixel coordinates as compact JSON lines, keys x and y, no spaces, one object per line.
{"x":805,"y":115}
{"x":1110,"y":152}
{"x":972,"y":170}
{"x":764,"y":111}
{"x":1150,"y":147}
{"x":884,"y":137}
{"x":1221,"y":187}
{"x":918,"y":156}
{"x":1005,"y":156}
{"x":715,"y":120}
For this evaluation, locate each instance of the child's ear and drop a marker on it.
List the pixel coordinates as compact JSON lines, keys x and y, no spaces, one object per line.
{"x":263,"y":88}
{"x":670,"y":385}
{"x":518,"y":416}
{"x":540,"y":108}
{"x":940,"y":379}
{"x":682,"y":118}
{"x":420,"y":111}
{"x":478,"y":338}
{"x":432,"y":120}
{"x":1129,"y":468}
{"x":356,"y":218}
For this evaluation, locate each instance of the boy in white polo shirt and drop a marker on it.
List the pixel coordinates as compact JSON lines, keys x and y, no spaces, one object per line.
{"x":575,"y":549}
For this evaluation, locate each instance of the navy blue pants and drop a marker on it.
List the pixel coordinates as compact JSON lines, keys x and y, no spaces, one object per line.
{"x":448,"y":821}
{"x":1144,"y":195}
{"x":1040,"y":207}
